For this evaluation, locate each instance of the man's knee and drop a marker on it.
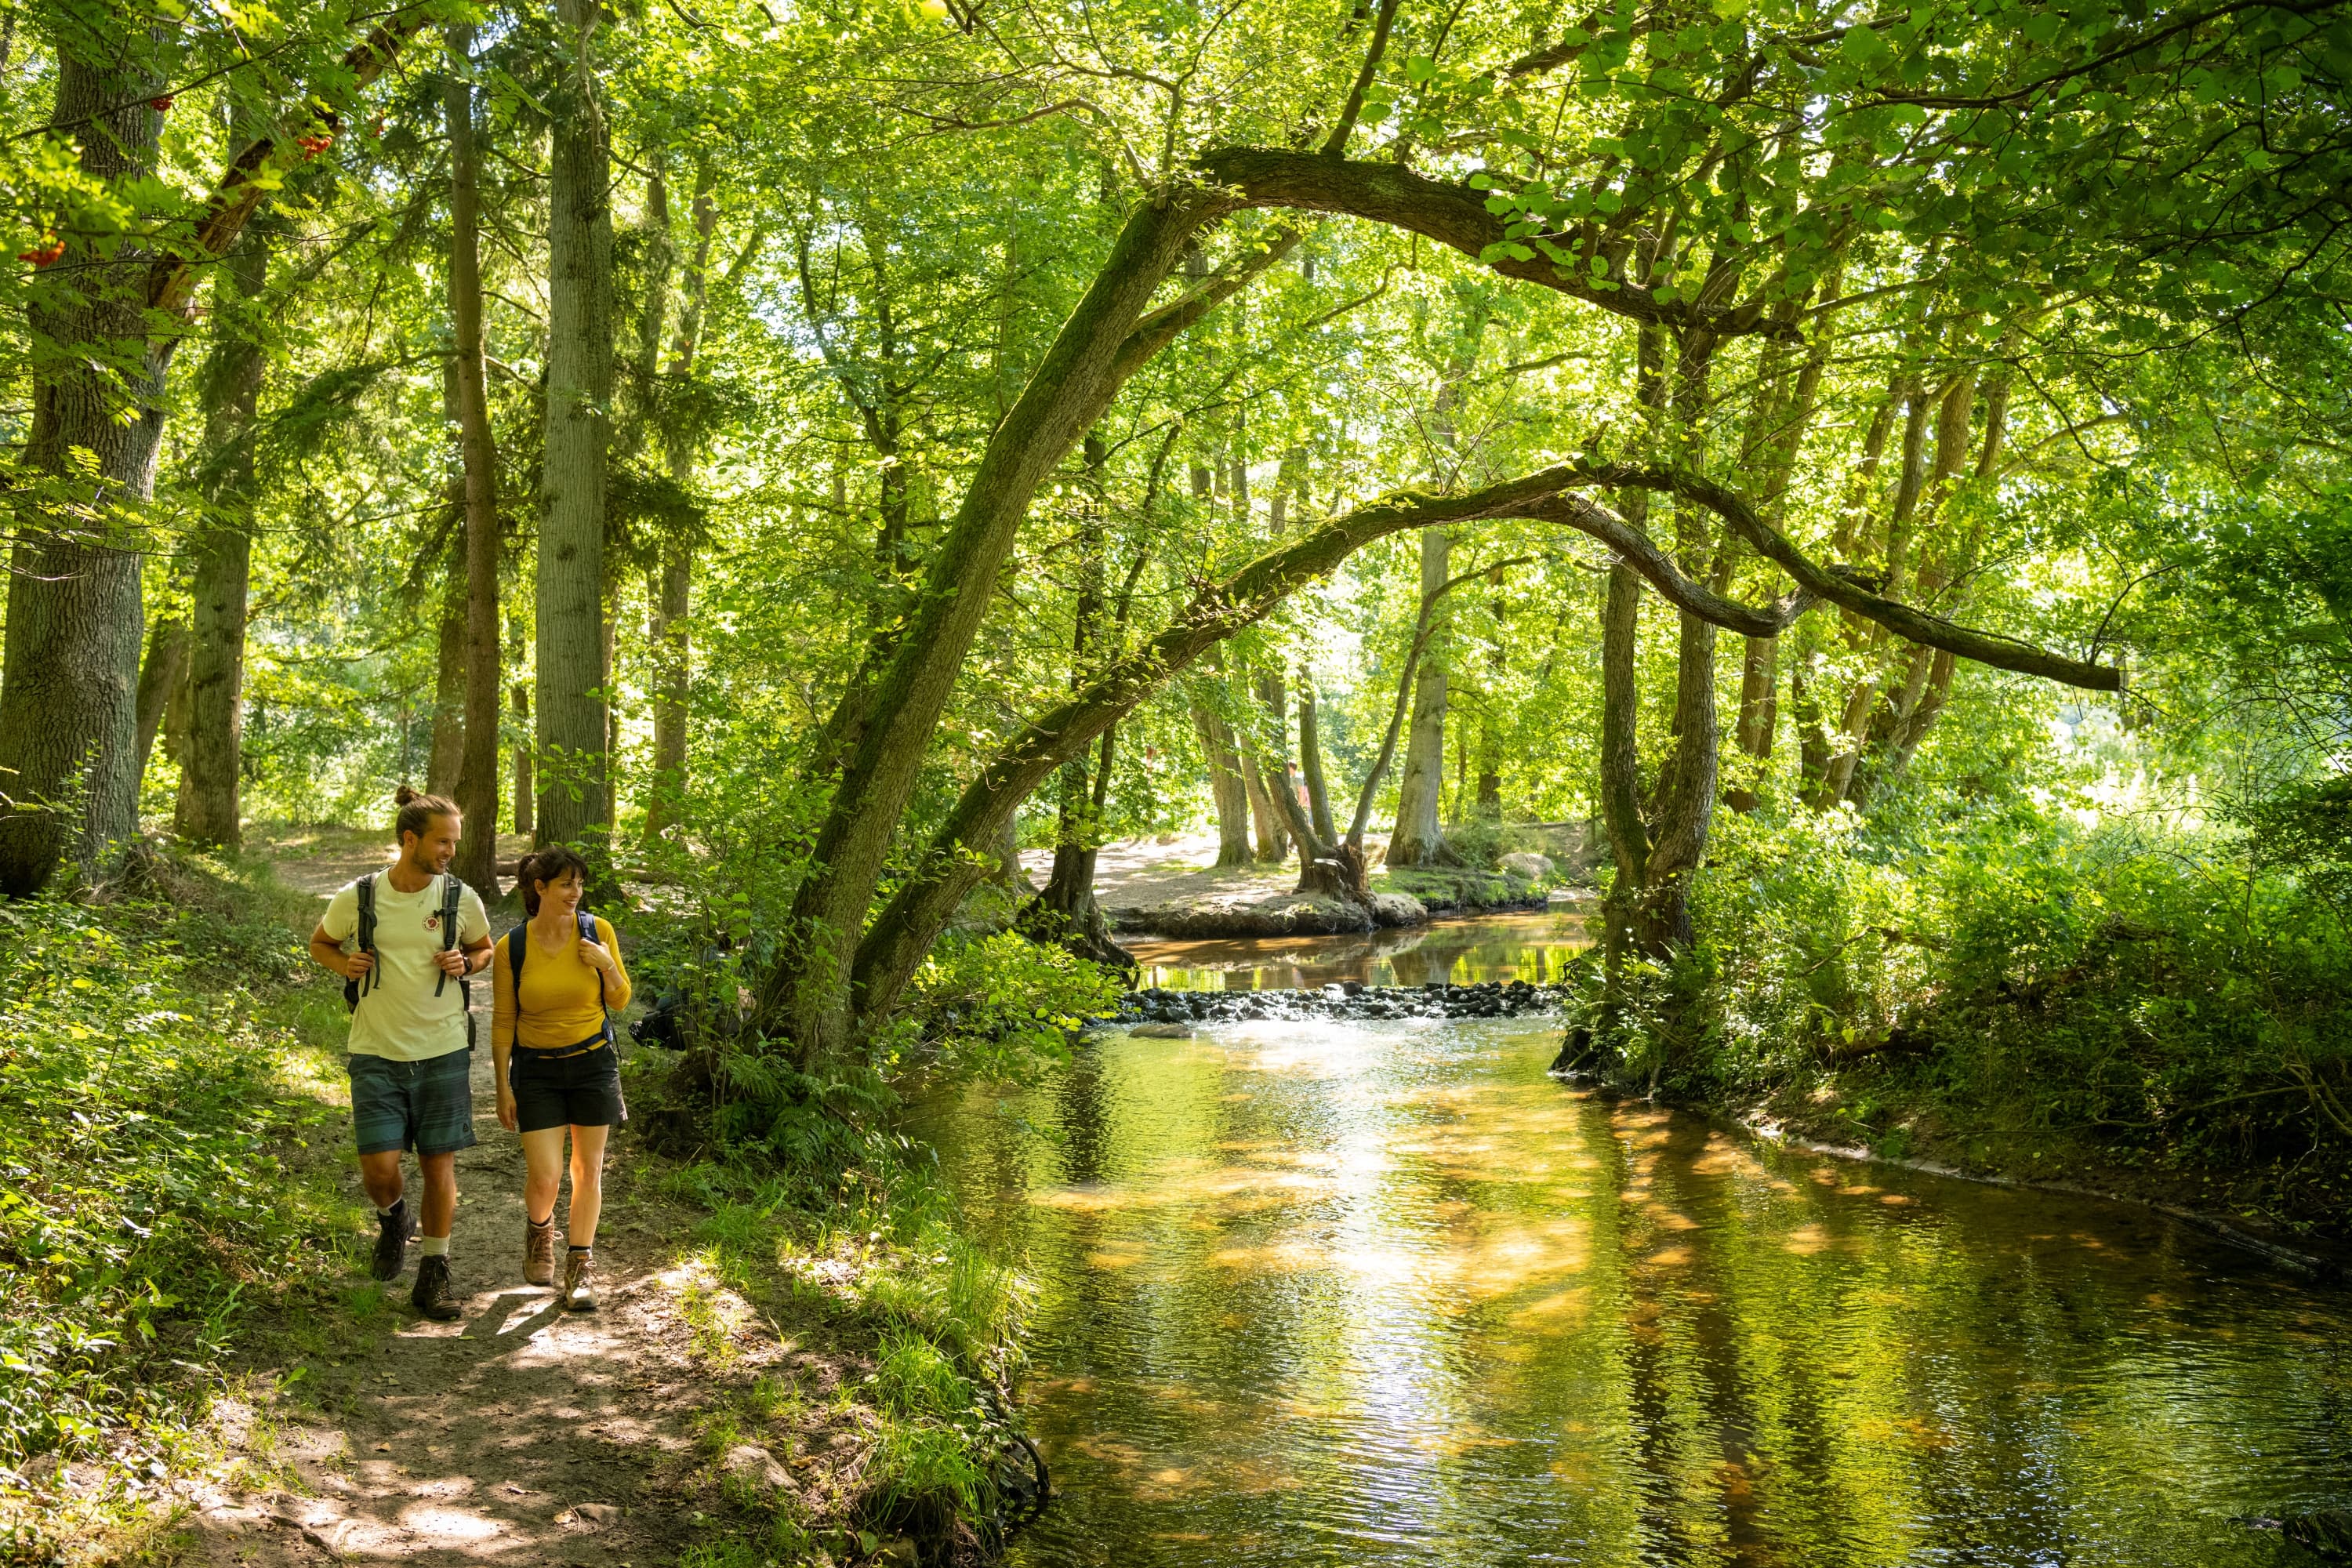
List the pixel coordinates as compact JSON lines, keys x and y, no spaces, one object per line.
{"x":440,"y":1172}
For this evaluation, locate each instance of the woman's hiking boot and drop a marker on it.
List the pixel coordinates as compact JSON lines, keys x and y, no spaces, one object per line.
{"x":580,"y":1281}
{"x":539,"y":1250}
{"x":432,"y":1296}
{"x":391,"y":1243}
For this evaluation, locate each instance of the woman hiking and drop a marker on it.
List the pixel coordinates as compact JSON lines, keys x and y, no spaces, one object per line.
{"x":557,"y":978}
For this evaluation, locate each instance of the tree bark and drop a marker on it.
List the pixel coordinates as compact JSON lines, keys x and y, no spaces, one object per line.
{"x":478,"y":768}
{"x":209,"y":807}
{"x":526,"y":789}
{"x":1310,"y":760}
{"x":448,"y":743}
{"x":163,"y":677}
{"x":1621,"y":777}
{"x":1418,"y":839}
{"x":1758,"y":711}
{"x":1226,"y":786}
{"x":69,"y":715}
{"x":572,"y":761}
{"x":1273,"y":830}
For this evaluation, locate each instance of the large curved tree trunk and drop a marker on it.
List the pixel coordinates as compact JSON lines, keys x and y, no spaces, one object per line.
{"x":572,"y":763}
{"x":807,"y":996}
{"x":68,"y":698}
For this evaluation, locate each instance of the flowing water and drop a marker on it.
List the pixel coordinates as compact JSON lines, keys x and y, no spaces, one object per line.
{"x":1352,"y":1293}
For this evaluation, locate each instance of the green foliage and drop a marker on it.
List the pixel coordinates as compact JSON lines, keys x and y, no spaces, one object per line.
{"x":150,"y":1200}
{"x":1001,"y":1006}
{"x":2018,"y":979}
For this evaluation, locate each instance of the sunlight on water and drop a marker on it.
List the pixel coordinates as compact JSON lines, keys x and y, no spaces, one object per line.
{"x":1384,"y":1293}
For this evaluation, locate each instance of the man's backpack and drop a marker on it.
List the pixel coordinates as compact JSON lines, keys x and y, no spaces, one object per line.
{"x":519,"y":945}
{"x":453,"y":893}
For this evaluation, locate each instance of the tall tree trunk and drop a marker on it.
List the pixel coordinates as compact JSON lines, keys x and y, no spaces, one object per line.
{"x":1759,"y":708}
{"x":1310,"y":759}
{"x":1265,"y":812}
{"x":526,"y":788}
{"x":1621,"y":777}
{"x":1226,"y":787}
{"x":448,"y":743}
{"x":68,"y":713}
{"x":477,"y":767}
{"x":673,"y":648}
{"x":209,"y":807}
{"x":572,"y":763}
{"x":162,"y":678}
{"x":1418,"y":839}
{"x":1490,"y":729}
{"x":1662,"y":922}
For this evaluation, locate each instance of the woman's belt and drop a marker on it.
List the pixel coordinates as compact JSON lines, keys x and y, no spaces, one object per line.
{"x":596,"y":1042}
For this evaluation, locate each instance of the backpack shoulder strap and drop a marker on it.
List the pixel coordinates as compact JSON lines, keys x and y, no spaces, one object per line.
{"x":588,"y":933}
{"x":518,"y":944}
{"x":452,"y":892}
{"x":365,"y":890}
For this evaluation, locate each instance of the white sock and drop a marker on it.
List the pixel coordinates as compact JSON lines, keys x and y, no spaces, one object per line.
{"x":434,"y":1246}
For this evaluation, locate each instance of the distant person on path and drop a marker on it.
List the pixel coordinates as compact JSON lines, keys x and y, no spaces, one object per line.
{"x":415,"y":932}
{"x":558,"y":981}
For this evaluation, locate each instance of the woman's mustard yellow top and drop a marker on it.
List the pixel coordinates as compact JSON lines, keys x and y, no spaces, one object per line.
{"x":560,"y":1005}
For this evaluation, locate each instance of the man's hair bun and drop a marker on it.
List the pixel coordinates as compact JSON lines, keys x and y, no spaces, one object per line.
{"x":403,"y":796}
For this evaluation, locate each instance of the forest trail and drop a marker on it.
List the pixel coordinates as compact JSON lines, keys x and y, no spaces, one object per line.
{"x":520,"y":1433}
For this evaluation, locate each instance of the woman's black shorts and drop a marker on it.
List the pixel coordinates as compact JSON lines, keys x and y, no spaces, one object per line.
{"x":553,"y":1090}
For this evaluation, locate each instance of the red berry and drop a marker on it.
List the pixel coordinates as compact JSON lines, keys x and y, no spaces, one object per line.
{"x":161,"y":105}
{"x":41,"y":256}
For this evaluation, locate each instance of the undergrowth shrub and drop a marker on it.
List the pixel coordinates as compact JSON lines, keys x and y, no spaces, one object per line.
{"x":2040,"y":974}
{"x":146,"y":1123}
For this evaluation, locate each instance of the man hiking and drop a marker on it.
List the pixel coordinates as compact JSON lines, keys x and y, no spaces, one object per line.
{"x":415,"y":934}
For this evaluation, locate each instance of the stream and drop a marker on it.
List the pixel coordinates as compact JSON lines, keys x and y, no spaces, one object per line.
{"x":1383,"y":1292}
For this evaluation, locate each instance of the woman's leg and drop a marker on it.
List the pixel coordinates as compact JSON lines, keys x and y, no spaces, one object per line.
{"x":587,"y":1184}
{"x":542,"y":1158}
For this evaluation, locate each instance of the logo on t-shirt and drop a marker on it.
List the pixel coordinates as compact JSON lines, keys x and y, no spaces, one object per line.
{"x":432,"y":921}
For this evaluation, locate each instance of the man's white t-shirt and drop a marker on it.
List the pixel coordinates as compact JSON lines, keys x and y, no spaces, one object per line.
{"x":399,"y":1016}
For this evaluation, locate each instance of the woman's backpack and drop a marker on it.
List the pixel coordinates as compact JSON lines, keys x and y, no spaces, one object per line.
{"x":519,"y":943}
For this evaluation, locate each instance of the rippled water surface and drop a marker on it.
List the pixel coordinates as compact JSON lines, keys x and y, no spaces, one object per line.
{"x":1384,"y":1293}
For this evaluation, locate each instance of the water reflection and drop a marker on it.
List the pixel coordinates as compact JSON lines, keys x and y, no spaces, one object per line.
{"x":1383,"y":1293}
{"x":1533,"y":946}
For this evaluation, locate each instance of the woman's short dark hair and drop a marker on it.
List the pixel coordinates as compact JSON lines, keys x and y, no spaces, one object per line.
{"x":551,"y":865}
{"x":417,"y":811}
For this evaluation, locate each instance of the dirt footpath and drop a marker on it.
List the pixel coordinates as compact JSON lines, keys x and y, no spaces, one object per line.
{"x":519,"y":1432}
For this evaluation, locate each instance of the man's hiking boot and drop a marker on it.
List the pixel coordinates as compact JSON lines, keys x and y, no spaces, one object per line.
{"x":391,"y":1243}
{"x":539,"y":1250}
{"x":580,"y":1281}
{"x":432,"y":1296}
